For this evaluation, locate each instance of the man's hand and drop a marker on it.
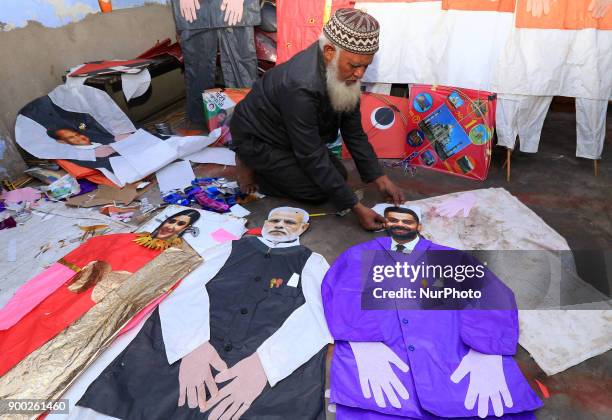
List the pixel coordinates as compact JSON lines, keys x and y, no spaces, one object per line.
{"x":248,"y":381}
{"x":104,"y":151}
{"x":487,"y":382}
{"x":368,"y":218}
{"x":389,"y":190}
{"x":538,"y":8}
{"x":195,"y":376}
{"x":233,"y":11}
{"x":189,"y":9}
{"x":246,"y":177}
{"x":599,"y":8}
{"x":374,"y":367}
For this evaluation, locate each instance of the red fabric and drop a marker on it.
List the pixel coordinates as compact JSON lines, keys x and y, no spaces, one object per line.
{"x":162,"y":48}
{"x":254,"y":231}
{"x":543,"y":389}
{"x":387,"y":136}
{"x":100,"y":66}
{"x":299,"y":24}
{"x":63,"y":307}
{"x":80,"y":172}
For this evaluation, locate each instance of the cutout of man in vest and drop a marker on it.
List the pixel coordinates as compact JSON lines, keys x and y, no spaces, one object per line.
{"x":250,"y":343}
{"x":398,"y":363}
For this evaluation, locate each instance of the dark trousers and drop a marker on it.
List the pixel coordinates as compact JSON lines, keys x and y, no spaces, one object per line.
{"x":278,"y":173}
{"x":238,"y":62}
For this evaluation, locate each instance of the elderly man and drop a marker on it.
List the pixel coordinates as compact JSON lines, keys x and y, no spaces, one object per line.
{"x":281,"y":129}
{"x":243,"y":335}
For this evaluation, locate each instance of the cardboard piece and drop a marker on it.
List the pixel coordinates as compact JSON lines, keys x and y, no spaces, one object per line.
{"x":104,"y":195}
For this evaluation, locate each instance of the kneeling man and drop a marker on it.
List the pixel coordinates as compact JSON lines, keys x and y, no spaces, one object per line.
{"x":281,"y":129}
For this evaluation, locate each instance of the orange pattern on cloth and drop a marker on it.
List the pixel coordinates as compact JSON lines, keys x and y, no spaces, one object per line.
{"x":63,"y":307}
{"x":479,"y":5}
{"x":393,"y":1}
{"x":300,"y":24}
{"x":563,"y":14}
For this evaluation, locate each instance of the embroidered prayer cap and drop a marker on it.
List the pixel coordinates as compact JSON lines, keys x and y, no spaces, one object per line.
{"x":354,"y":31}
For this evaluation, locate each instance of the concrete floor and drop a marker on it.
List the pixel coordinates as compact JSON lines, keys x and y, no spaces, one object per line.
{"x":557,"y":186}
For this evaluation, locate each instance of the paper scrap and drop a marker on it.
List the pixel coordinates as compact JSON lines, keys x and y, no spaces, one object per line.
{"x":63,"y":188}
{"x":142,"y":185}
{"x":135,"y":85}
{"x":294,"y":280}
{"x":188,"y":145}
{"x":21,"y":194}
{"x":43,"y":216}
{"x":141,"y":154}
{"x":175,"y":176}
{"x":11,"y":250}
{"x":123,"y":214}
{"x":239,"y":211}
{"x":219,"y":155}
{"x":8,"y":223}
{"x":75,"y":80}
{"x":221,"y":235}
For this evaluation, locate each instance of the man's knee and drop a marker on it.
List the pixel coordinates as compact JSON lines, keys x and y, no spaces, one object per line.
{"x":339,"y":166}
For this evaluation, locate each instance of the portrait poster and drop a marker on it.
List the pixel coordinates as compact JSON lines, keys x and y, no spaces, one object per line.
{"x":219,"y":107}
{"x":209,"y":230}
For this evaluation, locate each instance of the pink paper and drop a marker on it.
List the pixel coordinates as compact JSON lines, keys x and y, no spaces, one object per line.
{"x":453,"y":206}
{"x":21,"y":194}
{"x":32,"y":293}
{"x":221,"y":235}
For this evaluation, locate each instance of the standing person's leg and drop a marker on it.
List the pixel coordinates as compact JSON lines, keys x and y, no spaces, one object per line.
{"x":200,"y":56}
{"x":238,"y":56}
{"x":590,"y":127}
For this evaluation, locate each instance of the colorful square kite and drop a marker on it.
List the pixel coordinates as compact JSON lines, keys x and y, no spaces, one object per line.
{"x":450,"y":130}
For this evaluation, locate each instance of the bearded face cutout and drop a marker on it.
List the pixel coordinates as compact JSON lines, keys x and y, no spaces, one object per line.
{"x":285,"y":224}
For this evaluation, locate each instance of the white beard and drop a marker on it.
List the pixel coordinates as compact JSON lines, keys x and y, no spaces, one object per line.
{"x":343,"y":97}
{"x":288,"y":237}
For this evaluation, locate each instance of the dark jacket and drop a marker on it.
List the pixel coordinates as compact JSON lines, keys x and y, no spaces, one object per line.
{"x":289,"y":109}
